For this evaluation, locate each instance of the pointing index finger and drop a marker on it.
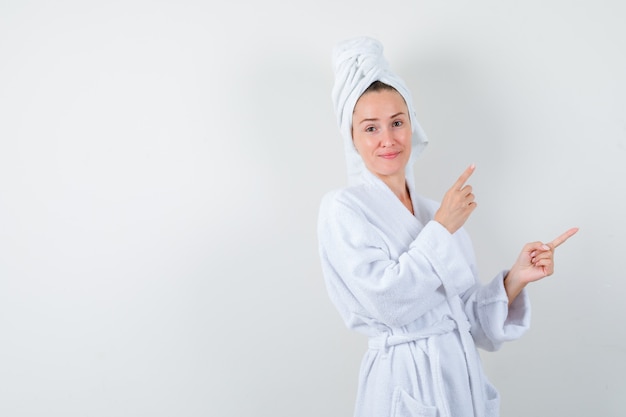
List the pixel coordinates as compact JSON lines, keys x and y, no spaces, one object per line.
{"x":464,"y":176}
{"x":561,"y":239}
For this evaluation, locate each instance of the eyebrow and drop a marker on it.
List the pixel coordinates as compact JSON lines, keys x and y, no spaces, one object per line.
{"x":393,"y":116}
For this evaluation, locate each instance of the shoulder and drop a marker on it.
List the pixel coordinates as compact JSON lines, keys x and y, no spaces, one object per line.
{"x":345,"y":219}
{"x":347,"y":209}
{"x":345,"y":199}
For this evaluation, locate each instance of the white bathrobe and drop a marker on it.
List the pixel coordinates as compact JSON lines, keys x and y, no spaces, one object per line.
{"x":404,"y":280}
{"x":412,"y":287}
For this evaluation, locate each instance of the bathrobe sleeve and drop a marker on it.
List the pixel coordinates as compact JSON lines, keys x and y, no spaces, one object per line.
{"x":492,"y":320}
{"x":362,"y":271}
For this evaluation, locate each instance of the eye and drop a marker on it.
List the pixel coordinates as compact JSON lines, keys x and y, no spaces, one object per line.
{"x":370,"y":129}
{"x":397,"y":123}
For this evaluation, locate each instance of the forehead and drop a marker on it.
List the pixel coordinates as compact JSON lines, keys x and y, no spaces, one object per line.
{"x":378,"y":104}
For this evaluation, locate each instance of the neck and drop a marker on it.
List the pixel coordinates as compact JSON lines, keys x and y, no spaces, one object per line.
{"x":400,"y":188}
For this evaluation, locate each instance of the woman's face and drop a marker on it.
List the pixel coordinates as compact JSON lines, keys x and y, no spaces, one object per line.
{"x":381,"y":132}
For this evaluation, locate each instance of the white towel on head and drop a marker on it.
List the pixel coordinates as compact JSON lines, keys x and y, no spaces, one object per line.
{"x":358,"y":62}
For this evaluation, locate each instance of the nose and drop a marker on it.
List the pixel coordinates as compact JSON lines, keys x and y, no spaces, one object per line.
{"x":387,"y":139}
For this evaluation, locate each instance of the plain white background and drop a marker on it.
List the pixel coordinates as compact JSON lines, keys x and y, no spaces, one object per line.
{"x":161,"y":166}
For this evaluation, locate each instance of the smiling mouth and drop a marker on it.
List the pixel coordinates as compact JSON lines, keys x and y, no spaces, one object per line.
{"x":389,"y":155}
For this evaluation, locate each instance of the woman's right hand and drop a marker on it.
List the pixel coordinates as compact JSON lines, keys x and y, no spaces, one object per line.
{"x":457,"y":204}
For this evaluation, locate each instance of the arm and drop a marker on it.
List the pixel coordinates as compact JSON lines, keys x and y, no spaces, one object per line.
{"x":500,"y":311}
{"x":393,"y":291}
{"x":493,"y":320}
{"x":396,"y":291}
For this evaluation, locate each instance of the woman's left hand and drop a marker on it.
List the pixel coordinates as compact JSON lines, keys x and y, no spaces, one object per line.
{"x":536,"y":261}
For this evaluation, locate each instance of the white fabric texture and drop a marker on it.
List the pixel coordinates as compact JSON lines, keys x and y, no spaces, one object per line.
{"x":357,"y":63}
{"x":412,"y":287}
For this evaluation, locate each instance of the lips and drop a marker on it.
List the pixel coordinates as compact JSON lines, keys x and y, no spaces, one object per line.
{"x":389,"y":155}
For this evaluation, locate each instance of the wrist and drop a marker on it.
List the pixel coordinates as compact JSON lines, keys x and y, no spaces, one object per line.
{"x":513,"y":285}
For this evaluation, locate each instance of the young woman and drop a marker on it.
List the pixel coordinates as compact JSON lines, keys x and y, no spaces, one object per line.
{"x":401,"y":269}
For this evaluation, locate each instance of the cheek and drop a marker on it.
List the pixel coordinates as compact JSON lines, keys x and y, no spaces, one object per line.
{"x":406,"y":138}
{"x":359,"y":143}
